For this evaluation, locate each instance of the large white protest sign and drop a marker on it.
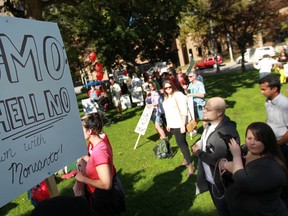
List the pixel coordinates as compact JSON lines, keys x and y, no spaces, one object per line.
{"x":40,"y":127}
{"x":88,"y":106}
{"x":143,"y":123}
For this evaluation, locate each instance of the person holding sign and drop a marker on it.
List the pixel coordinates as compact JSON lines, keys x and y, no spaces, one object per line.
{"x":156,"y":105}
{"x":175,"y":107}
{"x":101,"y":173}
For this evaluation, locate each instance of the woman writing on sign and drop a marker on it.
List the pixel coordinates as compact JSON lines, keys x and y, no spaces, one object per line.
{"x":259,"y":177}
{"x":101,"y":173}
{"x":175,"y":107}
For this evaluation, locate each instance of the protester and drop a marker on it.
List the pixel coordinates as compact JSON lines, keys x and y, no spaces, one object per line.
{"x":283,"y":78}
{"x":156,"y":105}
{"x":115,"y":91}
{"x":259,"y":177}
{"x":199,"y":76}
{"x":265,"y":65}
{"x":103,"y":102}
{"x":175,"y":107}
{"x":276,"y":109}
{"x":136,"y":90}
{"x":181,"y":77}
{"x":210,"y":148}
{"x":99,"y":90}
{"x":145,"y":84}
{"x":151,"y":79}
{"x":124,"y":87}
{"x":92,"y":94}
{"x":283,"y":57}
{"x":100,"y":169}
{"x":158,"y":78}
{"x":196,"y":90}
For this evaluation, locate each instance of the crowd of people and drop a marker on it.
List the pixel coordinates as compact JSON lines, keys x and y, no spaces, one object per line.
{"x":278,"y":64}
{"x":249,"y":179}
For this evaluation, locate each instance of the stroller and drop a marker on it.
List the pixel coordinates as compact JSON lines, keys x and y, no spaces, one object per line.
{"x":101,"y":106}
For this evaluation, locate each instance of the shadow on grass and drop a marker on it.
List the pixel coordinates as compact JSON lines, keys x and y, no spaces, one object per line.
{"x":5,"y":209}
{"x":226,"y":84}
{"x":161,"y":195}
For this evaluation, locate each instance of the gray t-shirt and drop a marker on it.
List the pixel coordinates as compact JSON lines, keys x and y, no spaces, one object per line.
{"x":277,"y":115}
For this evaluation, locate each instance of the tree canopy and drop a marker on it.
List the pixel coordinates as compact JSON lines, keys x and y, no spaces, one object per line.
{"x":117,"y":30}
{"x":126,"y":31}
{"x":241,"y":20}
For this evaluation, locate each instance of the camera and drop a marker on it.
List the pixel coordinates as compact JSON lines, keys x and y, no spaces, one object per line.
{"x":226,"y":138}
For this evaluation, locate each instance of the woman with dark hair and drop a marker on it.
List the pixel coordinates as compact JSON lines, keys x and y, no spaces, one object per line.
{"x":175,"y":108}
{"x":155,"y":103}
{"x":101,"y":173}
{"x":259,"y":177}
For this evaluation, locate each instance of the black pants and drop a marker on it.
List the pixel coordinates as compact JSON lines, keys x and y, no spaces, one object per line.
{"x":182,"y":143}
{"x":284,"y":150}
{"x":109,"y":202}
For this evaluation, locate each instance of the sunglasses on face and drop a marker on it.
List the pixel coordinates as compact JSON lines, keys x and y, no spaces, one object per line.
{"x":168,"y":87}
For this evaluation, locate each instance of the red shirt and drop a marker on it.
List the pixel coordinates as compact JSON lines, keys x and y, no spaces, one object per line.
{"x":101,"y":154}
{"x":174,"y":81}
{"x":90,"y":146}
{"x":99,"y":91}
{"x":181,"y":79}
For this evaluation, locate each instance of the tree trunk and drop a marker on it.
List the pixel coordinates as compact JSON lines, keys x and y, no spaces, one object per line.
{"x":33,"y":9}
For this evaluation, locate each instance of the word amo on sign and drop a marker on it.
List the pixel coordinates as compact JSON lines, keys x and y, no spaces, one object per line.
{"x":13,"y":60}
{"x":19,"y":172}
{"x":21,"y":111}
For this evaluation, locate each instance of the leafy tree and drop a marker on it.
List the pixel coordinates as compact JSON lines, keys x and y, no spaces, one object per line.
{"x":241,"y":20}
{"x":117,"y":30}
{"x":32,"y":9}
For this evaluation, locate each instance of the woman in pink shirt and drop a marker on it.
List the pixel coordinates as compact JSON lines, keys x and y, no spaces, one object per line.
{"x":100,"y":169}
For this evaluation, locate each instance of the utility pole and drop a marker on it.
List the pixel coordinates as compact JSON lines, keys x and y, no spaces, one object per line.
{"x":230,"y":48}
{"x":214,"y":45}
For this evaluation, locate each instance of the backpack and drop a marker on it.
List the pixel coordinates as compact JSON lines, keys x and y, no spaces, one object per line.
{"x":163,"y":150}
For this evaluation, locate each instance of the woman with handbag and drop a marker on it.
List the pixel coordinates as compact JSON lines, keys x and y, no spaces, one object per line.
{"x":101,"y":173}
{"x":175,"y":107}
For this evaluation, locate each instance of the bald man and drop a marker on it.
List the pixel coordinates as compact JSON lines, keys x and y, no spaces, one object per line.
{"x":211,"y":148}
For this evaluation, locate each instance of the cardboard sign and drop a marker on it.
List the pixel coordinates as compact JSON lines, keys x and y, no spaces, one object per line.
{"x":136,"y":91}
{"x":89,"y":106}
{"x":125,"y":102}
{"x":40,"y":127}
{"x":144,"y":121}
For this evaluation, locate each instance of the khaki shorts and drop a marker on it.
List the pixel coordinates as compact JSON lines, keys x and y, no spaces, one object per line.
{"x":116,"y":101}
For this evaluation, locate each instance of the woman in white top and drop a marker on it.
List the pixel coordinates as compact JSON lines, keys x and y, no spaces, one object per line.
{"x":175,"y":107}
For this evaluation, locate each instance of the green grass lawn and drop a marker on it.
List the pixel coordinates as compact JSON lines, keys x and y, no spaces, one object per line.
{"x":160,"y":187}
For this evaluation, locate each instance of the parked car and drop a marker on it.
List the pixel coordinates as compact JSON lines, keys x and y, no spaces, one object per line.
{"x":209,"y":62}
{"x":255,"y":54}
